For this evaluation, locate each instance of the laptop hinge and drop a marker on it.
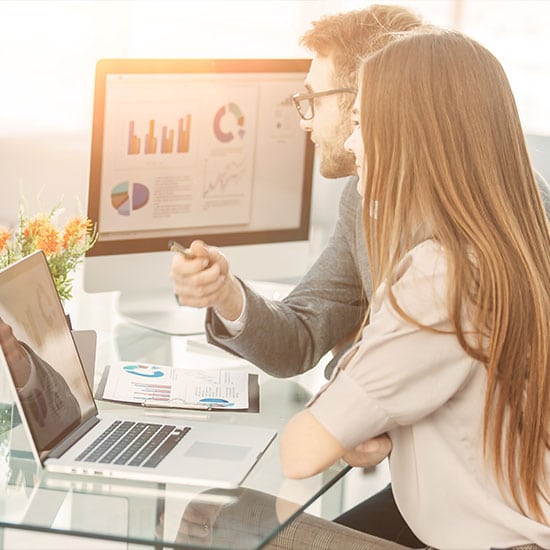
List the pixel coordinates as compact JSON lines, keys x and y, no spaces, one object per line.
{"x":73,"y":437}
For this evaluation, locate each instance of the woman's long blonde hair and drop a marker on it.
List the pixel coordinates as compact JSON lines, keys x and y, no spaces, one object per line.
{"x":444,"y":150}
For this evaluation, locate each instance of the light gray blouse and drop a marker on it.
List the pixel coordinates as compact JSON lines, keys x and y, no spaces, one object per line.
{"x":428,"y":394}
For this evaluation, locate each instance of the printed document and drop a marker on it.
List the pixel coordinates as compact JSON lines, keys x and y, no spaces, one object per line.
{"x":164,"y":386}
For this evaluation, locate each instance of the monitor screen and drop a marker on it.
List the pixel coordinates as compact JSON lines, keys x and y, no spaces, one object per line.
{"x":186,"y":149}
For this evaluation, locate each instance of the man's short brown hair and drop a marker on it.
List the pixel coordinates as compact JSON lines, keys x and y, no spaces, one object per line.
{"x":348,"y":37}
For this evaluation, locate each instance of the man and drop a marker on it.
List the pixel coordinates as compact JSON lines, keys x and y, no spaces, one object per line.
{"x":338,"y":283}
{"x":290,"y":337}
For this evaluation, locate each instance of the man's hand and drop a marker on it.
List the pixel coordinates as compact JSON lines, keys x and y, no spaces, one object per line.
{"x":370,"y":452}
{"x":16,"y":357}
{"x":201,"y":278}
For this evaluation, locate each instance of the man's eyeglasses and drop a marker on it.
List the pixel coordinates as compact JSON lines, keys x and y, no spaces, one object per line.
{"x":304,"y":102}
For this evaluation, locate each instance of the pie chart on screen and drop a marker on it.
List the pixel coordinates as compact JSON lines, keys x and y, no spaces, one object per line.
{"x":129,"y":196}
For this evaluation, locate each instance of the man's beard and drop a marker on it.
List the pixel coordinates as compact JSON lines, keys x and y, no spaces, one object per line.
{"x":337,"y":163}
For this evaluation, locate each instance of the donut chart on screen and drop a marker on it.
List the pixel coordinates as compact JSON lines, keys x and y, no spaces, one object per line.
{"x":232,"y":110}
{"x":127,"y":196}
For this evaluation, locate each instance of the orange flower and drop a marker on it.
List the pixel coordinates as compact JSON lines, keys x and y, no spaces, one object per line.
{"x":45,"y":236}
{"x":36,"y":226}
{"x":75,"y":231}
{"x":64,"y":247}
{"x":5,"y":235}
{"x":48,"y":241}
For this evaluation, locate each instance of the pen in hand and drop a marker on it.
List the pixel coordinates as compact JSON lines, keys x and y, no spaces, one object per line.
{"x":180,"y":249}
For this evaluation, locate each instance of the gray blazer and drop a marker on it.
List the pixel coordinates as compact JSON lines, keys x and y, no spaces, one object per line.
{"x":289,"y":337}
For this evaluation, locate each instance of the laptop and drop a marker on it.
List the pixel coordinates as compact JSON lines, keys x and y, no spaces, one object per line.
{"x":63,"y":425}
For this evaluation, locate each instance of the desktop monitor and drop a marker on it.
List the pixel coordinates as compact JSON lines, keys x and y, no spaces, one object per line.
{"x":186,"y":149}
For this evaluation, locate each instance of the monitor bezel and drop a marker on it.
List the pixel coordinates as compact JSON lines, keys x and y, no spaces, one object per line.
{"x":105,"y":67}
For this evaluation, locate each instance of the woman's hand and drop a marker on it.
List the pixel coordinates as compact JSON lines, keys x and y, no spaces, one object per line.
{"x":370,"y":452}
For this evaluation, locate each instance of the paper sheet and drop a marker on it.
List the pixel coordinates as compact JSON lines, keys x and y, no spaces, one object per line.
{"x":163,"y":386}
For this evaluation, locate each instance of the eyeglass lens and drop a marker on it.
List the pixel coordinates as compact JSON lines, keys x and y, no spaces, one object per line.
{"x":306,"y":108}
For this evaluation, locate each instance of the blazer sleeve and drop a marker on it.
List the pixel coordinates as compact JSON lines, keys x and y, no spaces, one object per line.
{"x":286,"y":338}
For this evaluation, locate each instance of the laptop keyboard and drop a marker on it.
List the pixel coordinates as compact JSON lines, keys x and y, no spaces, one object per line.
{"x":133,"y":443}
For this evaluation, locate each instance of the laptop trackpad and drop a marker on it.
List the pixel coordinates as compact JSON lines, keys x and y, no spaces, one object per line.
{"x":202,"y":449}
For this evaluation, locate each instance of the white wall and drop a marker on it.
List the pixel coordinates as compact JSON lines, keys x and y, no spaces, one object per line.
{"x":48,"y":51}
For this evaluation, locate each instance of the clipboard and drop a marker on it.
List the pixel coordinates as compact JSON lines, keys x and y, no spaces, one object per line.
{"x":253,"y":398}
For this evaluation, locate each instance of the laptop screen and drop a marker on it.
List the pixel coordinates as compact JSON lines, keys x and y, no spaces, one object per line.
{"x":55,"y":396}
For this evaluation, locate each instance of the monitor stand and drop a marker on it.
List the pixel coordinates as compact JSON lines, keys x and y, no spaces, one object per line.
{"x":158,"y":310}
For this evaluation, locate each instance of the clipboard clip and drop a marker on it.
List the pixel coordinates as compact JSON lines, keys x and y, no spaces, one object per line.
{"x":204,"y":404}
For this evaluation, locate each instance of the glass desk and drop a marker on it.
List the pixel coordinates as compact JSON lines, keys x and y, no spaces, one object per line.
{"x":150,"y":514}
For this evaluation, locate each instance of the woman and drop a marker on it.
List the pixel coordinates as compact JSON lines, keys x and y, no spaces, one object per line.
{"x":454,"y":363}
